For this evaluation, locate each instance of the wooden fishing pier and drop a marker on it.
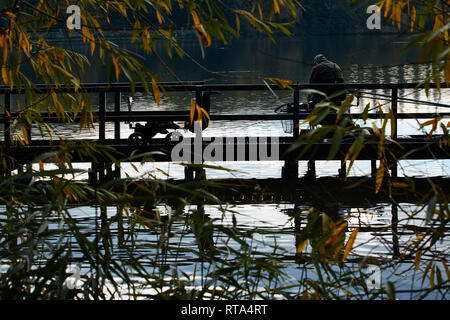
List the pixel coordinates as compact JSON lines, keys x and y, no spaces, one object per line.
{"x":408,"y":147}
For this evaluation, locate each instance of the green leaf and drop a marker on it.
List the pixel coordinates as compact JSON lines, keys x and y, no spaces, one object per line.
{"x":390,"y":290}
{"x":365,"y":114}
{"x":335,"y":143}
{"x":431,"y":207}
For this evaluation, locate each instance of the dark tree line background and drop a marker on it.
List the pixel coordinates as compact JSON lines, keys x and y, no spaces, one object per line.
{"x":324,"y":17}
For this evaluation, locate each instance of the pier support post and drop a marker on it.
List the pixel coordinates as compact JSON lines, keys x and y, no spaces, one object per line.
{"x":373,"y":168}
{"x":188,"y":174}
{"x":97,"y":173}
{"x":311,"y":171}
{"x":117,"y":171}
{"x":395,"y":244}
{"x":297,"y":226}
{"x":106,"y":231}
{"x":106,"y":171}
{"x":343,"y":169}
{"x":101,"y":111}
{"x":290,"y":168}
{"x":93,"y":174}
{"x":117,"y":97}
{"x":392,"y":165}
{"x":197,"y":173}
{"x":200,"y":174}
{"x":92,"y":177}
{"x":109,"y":174}
{"x":191,"y":174}
{"x":6,"y":167}
{"x":101,"y":171}
{"x":394,"y":128}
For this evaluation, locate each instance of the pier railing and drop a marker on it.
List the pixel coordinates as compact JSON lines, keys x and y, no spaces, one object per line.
{"x":198,"y":90}
{"x":102,"y":116}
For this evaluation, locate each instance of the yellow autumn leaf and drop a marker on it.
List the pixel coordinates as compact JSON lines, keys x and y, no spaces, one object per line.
{"x":285,"y":81}
{"x":260,"y":11}
{"x":191,"y":116}
{"x":276,"y":6}
{"x":144,"y":221}
{"x":203,"y":34}
{"x":434,"y":123}
{"x":158,"y":16}
{"x":77,"y":109}
{"x":134,"y":167}
{"x":431,"y":122}
{"x":387,"y":8}
{"x":399,"y":185}
{"x":206,"y":114}
{"x":63,"y":71}
{"x":122,"y":10}
{"x":5,"y":75}
{"x":336,"y":232}
{"x":92,"y":45}
{"x":156,"y":92}
{"x":116,"y":66}
{"x":87,"y":36}
{"x":25,"y":134}
{"x":100,"y":50}
{"x":97,"y":24}
{"x":301,"y":246}
{"x":248,"y":15}
{"x":9,"y":14}
{"x":195,"y":17}
{"x":4,"y":45}
{"x":447,"y":72}
{"x":380,"y":175}
{"x":417,"y":259}
{"x":54,"y":19}
{"x":413,"y":18}
{"x":238,"y":24}
{"x":199,"y":113}
{"x":74,"y":196}
{"x":446,"y":268}
{"x":438,"y":22}
{"x":54,"y":98}
{"x":398,"y":14}
{"x":350,"y":243}
{"x":91,"y":116}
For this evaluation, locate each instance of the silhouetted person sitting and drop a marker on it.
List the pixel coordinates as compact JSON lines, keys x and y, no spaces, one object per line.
{"x":325,"y":71}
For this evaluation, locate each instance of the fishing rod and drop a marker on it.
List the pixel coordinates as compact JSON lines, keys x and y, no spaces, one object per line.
{"x":407,"y":100}
{"x":277,"y":97}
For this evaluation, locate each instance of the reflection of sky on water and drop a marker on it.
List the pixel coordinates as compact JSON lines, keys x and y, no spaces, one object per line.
{"x":275,"y":226}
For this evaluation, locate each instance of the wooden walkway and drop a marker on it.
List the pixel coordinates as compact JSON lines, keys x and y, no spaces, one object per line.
{"x":409,"y":147}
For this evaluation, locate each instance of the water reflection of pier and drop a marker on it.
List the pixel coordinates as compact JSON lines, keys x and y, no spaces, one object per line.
{"x":332,"y":196}
{"x":204,"y":234}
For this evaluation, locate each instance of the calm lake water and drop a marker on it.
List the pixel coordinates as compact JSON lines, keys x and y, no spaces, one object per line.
{"x":364,"y":59}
